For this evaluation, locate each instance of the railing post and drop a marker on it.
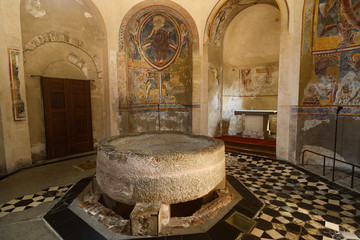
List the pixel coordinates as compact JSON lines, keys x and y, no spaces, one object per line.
{"x":333,"y":169}
{"x":352,"y":176}
{"x":336,"y":124}
{"x":302,"y":163}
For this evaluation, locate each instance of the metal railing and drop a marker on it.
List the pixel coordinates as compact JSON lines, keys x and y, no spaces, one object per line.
{"x":333,"y":169}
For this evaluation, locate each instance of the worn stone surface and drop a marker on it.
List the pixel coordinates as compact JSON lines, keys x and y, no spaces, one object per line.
{"x":253,"y":134}
{"x":146,"y":218}
{"x":205,"y":213}
{"x":107,"y":217}
{"x":167,"y":167}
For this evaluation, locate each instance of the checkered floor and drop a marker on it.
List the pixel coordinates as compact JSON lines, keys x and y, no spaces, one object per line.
{"x":33,"y":200}
{"x":299,"y":205}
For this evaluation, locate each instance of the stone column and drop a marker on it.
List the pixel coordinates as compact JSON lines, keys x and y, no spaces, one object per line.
{"x":288,"y":90}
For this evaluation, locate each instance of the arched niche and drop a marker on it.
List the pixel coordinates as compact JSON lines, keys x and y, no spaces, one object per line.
{"x":158,"y":69}
{"x":64,"y":39}
{"x":225,"y":77}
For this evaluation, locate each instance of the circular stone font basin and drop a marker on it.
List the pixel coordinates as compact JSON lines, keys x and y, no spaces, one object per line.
{"x":166,"y":167}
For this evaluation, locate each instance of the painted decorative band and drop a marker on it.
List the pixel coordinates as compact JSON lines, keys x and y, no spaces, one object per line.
{"x":326,"y":110}
{"x":155,"y":107}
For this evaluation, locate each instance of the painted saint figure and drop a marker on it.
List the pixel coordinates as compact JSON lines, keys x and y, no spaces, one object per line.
{"x":159,"y":42}
{"x":160,"y":45}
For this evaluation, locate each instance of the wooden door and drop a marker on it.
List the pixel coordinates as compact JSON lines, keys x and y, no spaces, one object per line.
{"x":67,"y":111}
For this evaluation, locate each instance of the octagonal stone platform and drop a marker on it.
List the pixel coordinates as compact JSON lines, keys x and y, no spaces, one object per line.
{"x":166,"y":167}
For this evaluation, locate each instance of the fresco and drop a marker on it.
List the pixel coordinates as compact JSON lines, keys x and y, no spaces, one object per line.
{"x":159,"y":40}
{"x":159,"y":65}
{"x":256,"y":81}
{"x":17,"y":103}
{"x":217,"y":27}
{"x":259,"y":80}
{"x":335,"y":54}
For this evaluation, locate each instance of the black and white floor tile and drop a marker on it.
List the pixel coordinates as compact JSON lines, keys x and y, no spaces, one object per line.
{"x":299,"y":205}
{"x":33,"y":200}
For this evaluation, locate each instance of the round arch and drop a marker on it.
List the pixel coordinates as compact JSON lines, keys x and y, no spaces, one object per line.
{"x":218,"y":21}
{"x":226,"y":8}
{"x":146,"y":87}
{"x":68,"y":50}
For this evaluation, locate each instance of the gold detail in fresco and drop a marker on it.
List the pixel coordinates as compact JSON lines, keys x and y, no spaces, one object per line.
{"x":159,"y":42}
{"x":336,"y":25}
{"x":335,"y":77}
{"x":159,"y":60}
{"x":246,"y":2}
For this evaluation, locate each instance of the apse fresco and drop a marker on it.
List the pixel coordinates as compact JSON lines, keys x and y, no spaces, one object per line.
{"x":159,"y":60}
{"x":258,"y":81}
{"x":159,"y":64}
{"x":335,"y":53}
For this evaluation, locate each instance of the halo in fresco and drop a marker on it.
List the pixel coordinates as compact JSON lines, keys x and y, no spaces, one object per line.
{"x":159,"y":40}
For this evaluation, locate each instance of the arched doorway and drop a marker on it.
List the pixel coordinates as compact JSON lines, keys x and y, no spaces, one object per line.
{"x":62,"y":39}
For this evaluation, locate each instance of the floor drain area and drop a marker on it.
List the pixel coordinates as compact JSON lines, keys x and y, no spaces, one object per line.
{"x":241,"y":222}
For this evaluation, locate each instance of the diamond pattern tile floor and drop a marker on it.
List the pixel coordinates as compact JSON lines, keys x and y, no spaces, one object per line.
{"x":33,"y":200}
{"x":299,"y":205}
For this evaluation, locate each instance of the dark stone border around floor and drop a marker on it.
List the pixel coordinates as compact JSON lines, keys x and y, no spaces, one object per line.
{"x":335,"y":185}
{"x":66,"y":223}
{"x":70,"y":226}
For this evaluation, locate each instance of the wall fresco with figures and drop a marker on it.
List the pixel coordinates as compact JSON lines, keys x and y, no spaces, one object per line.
{"x":330,"y":76}
{"x":332,"y":39}
{"x":158,"y":46}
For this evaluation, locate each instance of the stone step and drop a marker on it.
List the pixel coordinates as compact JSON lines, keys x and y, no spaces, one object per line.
{"x":269,"y":151}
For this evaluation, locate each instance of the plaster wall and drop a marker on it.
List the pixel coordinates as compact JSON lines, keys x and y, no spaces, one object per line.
{"x":72,"y":49}
{"x":318,"y":134}
{"x":2,"y":147}
{"x":15,"y":152}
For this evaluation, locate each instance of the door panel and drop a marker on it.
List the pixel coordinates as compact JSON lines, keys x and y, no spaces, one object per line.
{"x":67,"y":110}
{"x":81,"y":131}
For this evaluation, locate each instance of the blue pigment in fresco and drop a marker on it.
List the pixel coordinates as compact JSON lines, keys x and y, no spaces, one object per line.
{"x":159,"y":39}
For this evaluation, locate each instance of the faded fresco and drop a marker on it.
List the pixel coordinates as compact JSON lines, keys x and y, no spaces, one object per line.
{"x":216,"y":30}
{"x":334,"y":51}
{"x":159,"y":63}
{"x":255,"y":81}
{"x":259,"y":80}
{"x":330,"y":77}
{"x":17,"y":102}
